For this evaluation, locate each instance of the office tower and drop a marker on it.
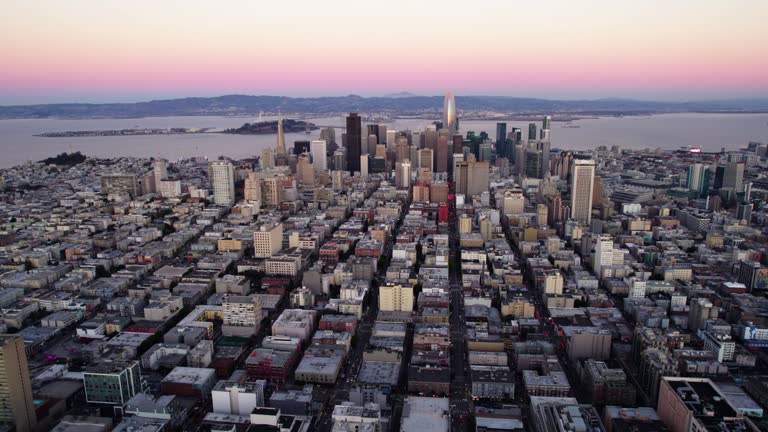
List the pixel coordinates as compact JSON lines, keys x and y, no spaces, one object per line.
{"x":271,"y":192}
{"x":441,"y":153}
{"x":371,"y":145}
{"x":546,"y":124}
{"x":752,"y":275}
{"x":544,"y":148}
{"x":329,"y":136}
{"x":744,"y":212}
{"x":391,"y":139}
{"x":698,"y":179}
{"x":417,"y":140}
{"x":280,"y":151}
{"x":555,"y":209}
{"x":484,"y":152}
{"x":381,"y":137}
{"x":305,"y":172}
{"x":159,"y":172}
{"x":516,"y":135}
{"x":449,"y":113}
{"x":252,"y":189}
{"x":425,"y":159}
{"x":603,"y":253}
{"x":700,"y":311}
{"x":364,"y":165}
{"x":501,"y":135}
{"x":373,"y":129}
{"x":268,"y":240}
{"x":542,"y":214}
{"x":545,"y":135}
{"x":472,"y":178}
{"x":587,"y":343}
{"x":112,"y":383}
{"x":413,"y":153}
{"x":300,"y":146}
{"x":564,"y":165}
{"x":16,"y":404}
{"x":396,"y":297}
{"x":733,"y":176}
{"x":337,"y":180}
{"x":747,"y":191}
{"x":532,"y":132}
{"x":520,"y":152}
{"x":717,"y":183}
{"x":533,"y":163}
{"x":402,"y":149}
{"x":403,"y":175}
{"x":458,"y":143}
{"x":319,"y":155}
{"x":339,"y":160}
{"x":581,"y":190}
{"x":242,"y":315}
{"x":222,"y":177}
{"x":597,"y":192}
{"x":513,"y":202}
{"x":354,"y":137}
{"x":381,"y":151}
{"x":438,"y":192}
{"x":267,"y":159}
{"x":430,"y":138}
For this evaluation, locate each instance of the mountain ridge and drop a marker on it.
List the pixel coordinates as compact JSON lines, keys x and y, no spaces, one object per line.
{"x":398,"y":103}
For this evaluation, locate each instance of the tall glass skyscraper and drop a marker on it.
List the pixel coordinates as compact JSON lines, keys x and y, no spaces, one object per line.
{"x":449,"y":113}
{"x":354,"y":142}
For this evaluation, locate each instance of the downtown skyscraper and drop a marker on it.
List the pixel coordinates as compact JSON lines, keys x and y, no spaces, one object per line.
{"x":449,"y":113}
{"x":280,"y":152}
{"x":581,"y":190}
{"x":354,"y":142}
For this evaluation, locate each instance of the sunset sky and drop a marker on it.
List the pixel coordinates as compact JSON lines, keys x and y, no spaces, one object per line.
{"x":118,"y":50}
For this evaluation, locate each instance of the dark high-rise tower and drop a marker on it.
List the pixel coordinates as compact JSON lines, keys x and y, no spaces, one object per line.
{"x":531,"y":131}
{"x":501,"y":135}
{"x":354,"y":142}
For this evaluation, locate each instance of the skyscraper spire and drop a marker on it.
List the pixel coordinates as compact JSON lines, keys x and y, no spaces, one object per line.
{"x":280,"y":136}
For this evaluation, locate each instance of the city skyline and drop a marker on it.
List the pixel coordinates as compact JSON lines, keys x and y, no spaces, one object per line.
{"x":102,"y":51}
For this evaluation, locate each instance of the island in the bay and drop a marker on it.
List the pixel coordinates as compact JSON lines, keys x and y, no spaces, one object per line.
{"x":124,"y":132}
{"x":269,"y":127}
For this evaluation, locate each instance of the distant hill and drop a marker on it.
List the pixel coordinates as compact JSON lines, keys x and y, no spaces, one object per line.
{"x":401,"y":103}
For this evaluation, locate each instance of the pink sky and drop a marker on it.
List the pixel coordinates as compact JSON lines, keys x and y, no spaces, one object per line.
{"x":110,"y":50}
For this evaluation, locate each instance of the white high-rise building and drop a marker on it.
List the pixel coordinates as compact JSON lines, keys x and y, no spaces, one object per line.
{"x":364,"y":166}
{"x":403,"y":175}
{"x":268,"y":240}
{"x":603,"y":253}
{"x":222,"y":177}
{"x":319,"y":155}
{"x":230,"y":397}
{"x":581,"y":190}
{"x":391,"y":139}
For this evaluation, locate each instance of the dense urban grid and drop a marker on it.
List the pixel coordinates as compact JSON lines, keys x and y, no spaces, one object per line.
{"x":384,"y":280}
